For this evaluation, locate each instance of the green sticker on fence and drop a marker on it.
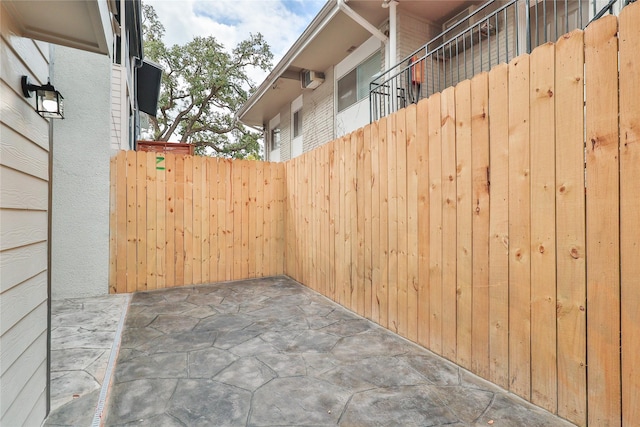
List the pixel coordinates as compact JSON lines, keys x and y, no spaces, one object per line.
{"x":159,"y":159}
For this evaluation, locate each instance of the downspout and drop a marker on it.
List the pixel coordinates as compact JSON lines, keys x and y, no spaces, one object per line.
{"x":342,"y":5}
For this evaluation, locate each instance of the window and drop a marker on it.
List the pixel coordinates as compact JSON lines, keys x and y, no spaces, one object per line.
{"x":275,"y":138}
{"x":297,"y":123}
{"x":354,"y":85}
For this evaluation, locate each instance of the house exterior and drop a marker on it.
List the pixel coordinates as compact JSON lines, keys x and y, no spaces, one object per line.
{"x":360,"y":60}
{"x":102,"y":119}
{"x":44,"y":40}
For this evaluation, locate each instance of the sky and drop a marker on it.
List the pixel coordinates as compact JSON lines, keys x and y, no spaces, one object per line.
{"x":281,"y":22}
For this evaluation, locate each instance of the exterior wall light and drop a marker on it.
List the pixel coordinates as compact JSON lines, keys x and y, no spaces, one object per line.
{"x":49,"y":102}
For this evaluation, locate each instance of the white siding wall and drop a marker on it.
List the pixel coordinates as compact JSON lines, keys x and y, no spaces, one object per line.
{"x":318,"y":113}
{"x":118,"y":138}
{"x":24,"y":175}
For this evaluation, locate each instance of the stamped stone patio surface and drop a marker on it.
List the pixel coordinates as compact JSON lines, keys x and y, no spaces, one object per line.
{"x":271,"y":352}
{"x":82,"y":336}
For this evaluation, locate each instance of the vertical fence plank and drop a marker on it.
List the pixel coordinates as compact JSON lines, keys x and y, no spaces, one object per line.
{"x":422,"y":153}
{"x":205,"y":220}
{"x":345,"y":253}
{"x":188,"y":254}
{"x":141,"y":213}
{"x":113,"y":221}
{"x":223,"y":220}
{"x":499,"y":226}
{"x":352,"y":172}
{"x":630,"y":211}
{"x":519,"y":232}
{"x":197,"y":219}
{"x":435,"y":225}
{"x":236,"y":196}
{"x":376,"y":273}
{"x":245,"y":220}
{"x":570,"y":225}
{"x":255,"y":192}
{"x":212,"y":190}
{"x":392,"y":167}
{"x":449,"y":218}
{"x":334,"y":217}
{"x":360,"y":218}
{"x":282,"y":197}
{"x":480,"y":210}
{"x":121,"y":222}
{"x":412,"y":162}
{"x":464,"y":218}
{"x":543,"y":238}
{"x":367,"y":186}
{"x":152,"y":234}
{"x":225,"y":229}
{"x":603,"y":252}
{"x":383,"y":287}
{"x":260,"y":208}
{"x":401,"y":207}
{"x":132,"y":239}
{"x":170,"y":238}
{"x":179,"y":220}
{"x":160,"y":220}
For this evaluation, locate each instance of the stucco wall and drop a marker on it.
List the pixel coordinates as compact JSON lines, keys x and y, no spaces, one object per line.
{"x":81,"y":152}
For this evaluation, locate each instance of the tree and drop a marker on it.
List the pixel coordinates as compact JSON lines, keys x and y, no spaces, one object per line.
{"x":203,"y":87}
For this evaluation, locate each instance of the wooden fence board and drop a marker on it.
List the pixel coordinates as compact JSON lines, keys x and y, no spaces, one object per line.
{"x":260,"y":218}
{"x":205,"y":261}
{"x":236,"y":233}
{"x":630,"y":211}
{"x":383,"y":287}
{"x":196,"y":259}
{"x":464,"y":219}
{"x":255,"y":192}
{"x":480,"y":210}
{"x":376,"y":271}
{"x":160,"y":165}
{"x":392,"y":188}
{"x":499,"y":226}
{"x":366,"y":187}
{"x":422,"y":154}
{"x":411,"y":199}
{"x":401,"y":208}
{"x":170,"y":238}
{"x":570,"y":225}
{"x":435,"y":226}
{"x":212,"y":190}
{"x":141,"y":213}
{"x":245,"y":220}
{"x":188,"y":253}
{"x":543,"y":236}
{"x":449,"y":217}
{"x":132,"y":240}
{"x":519,"y":232}
{"x":152,"y":234}
{"x":603,"y":238}
{"x":179,"y":224}
{"x":334,"y":217}
{"x":360,"y":185}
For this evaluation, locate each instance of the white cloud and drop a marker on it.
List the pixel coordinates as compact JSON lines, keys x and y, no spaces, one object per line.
{"x":281,"y":22}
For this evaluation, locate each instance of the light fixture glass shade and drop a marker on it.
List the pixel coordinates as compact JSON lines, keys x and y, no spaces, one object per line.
{"x":49,"y":102}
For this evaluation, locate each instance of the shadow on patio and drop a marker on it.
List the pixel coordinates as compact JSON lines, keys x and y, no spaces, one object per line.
{"x":271,"y":352}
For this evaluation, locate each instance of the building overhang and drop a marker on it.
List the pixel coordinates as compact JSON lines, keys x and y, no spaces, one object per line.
{"x":81,"y":24}
{"x":329,"y":38}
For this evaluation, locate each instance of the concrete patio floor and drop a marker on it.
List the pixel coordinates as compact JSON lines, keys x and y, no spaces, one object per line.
{"x":271,"y":352}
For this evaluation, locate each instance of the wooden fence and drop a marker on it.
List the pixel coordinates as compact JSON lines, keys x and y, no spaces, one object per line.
{"x":182,"y":220}
{"x":463,"y":224}
{"x":496,"y":223}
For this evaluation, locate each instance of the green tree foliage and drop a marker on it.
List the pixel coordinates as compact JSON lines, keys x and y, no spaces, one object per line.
{"x":203,"y":87}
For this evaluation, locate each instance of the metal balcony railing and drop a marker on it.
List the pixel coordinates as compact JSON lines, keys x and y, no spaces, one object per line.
{"x":494,"y":33}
